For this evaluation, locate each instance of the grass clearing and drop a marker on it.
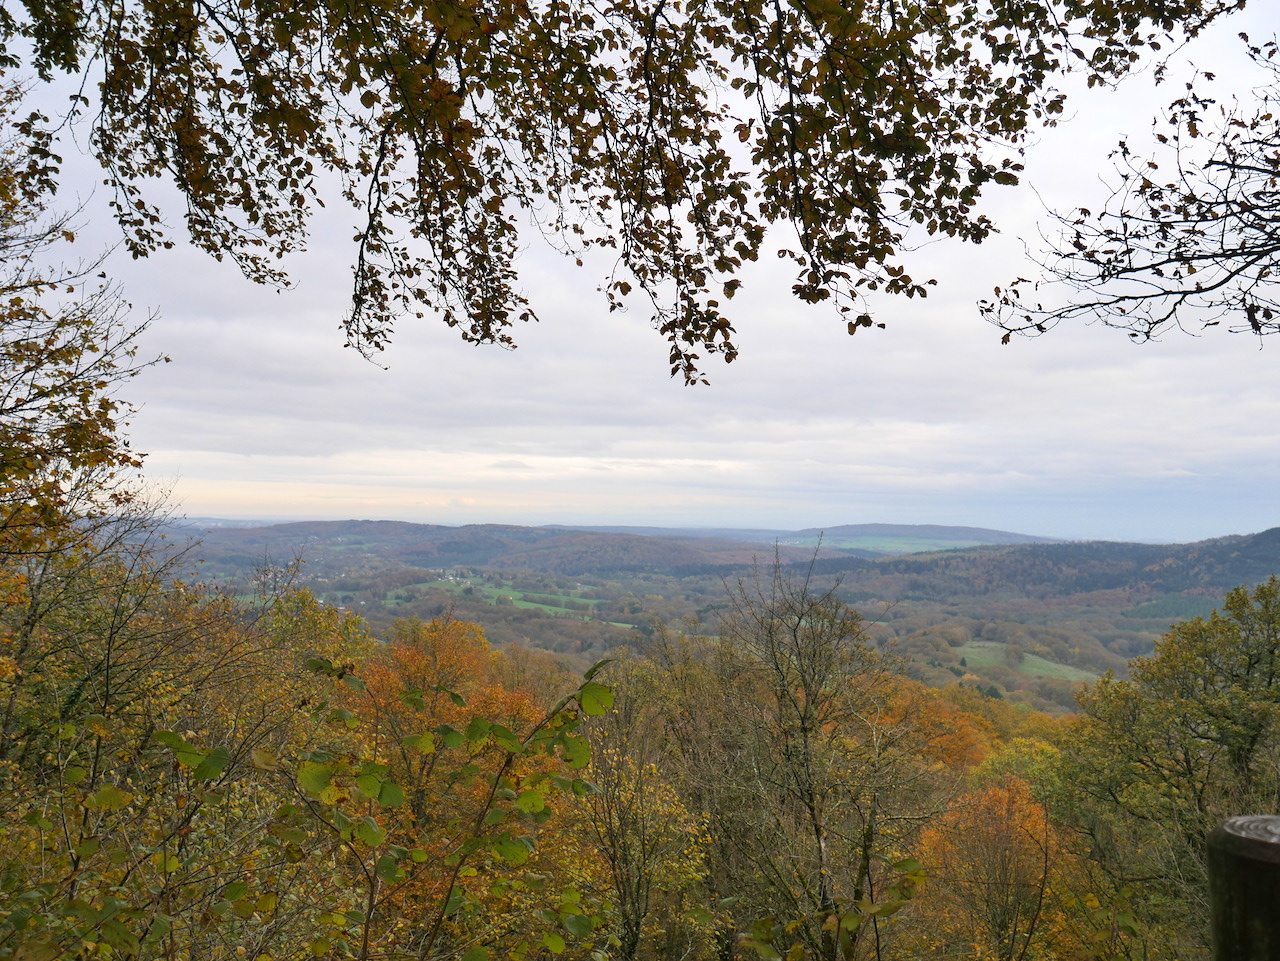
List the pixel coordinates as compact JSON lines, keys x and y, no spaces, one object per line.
{"x":1037,"y":666}
{"x":992,"y":653}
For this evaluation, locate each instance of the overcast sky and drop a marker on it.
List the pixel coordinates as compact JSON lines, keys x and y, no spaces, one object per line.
{"x":1079,"y":434}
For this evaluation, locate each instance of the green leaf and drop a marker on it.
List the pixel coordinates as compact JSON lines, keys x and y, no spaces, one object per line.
{"x":370,"y":832}
{"x":213,"y":765}
{"x":595,"y":698}
{"x":553,"y":941}
{"x":235,"y":890}
{"x":314,"y":778}
{"x":451,"y":736}
{"x":457,"y":897}
{"x":188,"y":754}
{"x":37,"y":951}
{"x":530,"y":801}
{"x":579,"y":925}
{"x":507,"y":739}
{"x":108,"y":797}
{"x":388,"y":870}
{"x":476,"y":954}
{"x":428,"y":743}
{"x":512,"y":850}
{"x":345,"y":717}
{"x":454,"y":696}
{"x":158,"y":929}
{"x":119,"y":937}
{"x":850,"y":921}
{"x":886,"y":908}
{"x":414,"y":700}
{"x":763,"y":948}
{"x":577,"y":752}
{"x":191,"y":757}
{"x":390,"y":795}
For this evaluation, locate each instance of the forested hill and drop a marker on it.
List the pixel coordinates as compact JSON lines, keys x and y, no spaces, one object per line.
{"x":342,"y":545}
{"x":1031,"y":570}
{"x":1042,"y":571}
{"x":860,"y":539}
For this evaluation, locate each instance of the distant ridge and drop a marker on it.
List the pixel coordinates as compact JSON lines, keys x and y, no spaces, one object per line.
{"x":331,"y":546}
{"x":980,"y":535}
{"x":863,"y":540}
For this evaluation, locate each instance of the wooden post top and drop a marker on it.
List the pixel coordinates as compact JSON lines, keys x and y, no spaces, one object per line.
{"x":1244,"y":888}
{"x":1252,"y":836}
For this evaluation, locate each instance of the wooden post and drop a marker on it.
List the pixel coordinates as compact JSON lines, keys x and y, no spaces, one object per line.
{"x":1244,"y":889}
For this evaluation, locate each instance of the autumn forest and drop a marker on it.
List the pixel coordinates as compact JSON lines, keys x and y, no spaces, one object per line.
{"x":517,"y":744}
{"x":190,"y":773}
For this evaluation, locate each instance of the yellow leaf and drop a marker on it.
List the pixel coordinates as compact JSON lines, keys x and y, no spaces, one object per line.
{"x":263,"y":760}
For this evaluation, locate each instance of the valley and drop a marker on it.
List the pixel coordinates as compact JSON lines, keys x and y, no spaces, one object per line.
{"x":1022,"y":618}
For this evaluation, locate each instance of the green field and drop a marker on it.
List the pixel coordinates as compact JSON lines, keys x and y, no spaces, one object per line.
{"x":991,"y":653}
{"x":530,"y":600}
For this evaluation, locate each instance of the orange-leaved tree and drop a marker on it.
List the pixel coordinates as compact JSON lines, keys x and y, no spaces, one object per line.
{"x":434,"y":802}
{"x":995,"y":863}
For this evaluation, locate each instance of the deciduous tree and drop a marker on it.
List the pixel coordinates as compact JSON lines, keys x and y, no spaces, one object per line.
{"x":1187,"y":239}
{"x":670,"y":134}
{"x":792,"y":741}
{"x":67,"y":341}
{"x":993,"y":862}
{"x":1190,"y":738}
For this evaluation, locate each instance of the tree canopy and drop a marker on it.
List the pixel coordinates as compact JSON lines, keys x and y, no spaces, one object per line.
{"x":669,"y":133}
{"x":1162,"y":757}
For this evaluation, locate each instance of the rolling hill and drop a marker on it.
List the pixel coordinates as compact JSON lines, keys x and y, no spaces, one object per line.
{"x":1029,"y":620}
